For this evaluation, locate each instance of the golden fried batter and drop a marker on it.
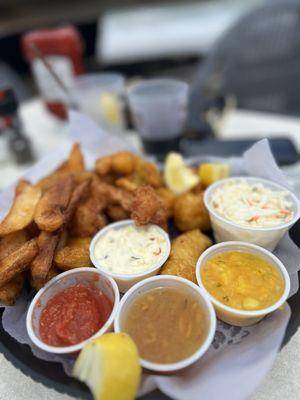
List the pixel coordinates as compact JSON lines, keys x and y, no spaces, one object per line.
{"x":88,"y":217}
{"x":168,"y":198}
{"x":190,"y":212}
{"x":50,"y":211}
{"x":121,"y":163}
{"x":185,"y":251}
{"x":75,"y":255}
{"x":116,"y":212}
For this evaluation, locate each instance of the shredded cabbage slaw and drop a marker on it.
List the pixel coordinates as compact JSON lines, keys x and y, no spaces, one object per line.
{"x":252,"y":204}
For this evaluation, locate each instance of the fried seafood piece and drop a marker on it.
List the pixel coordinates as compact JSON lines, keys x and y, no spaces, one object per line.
{"x":74,"y":255}
{"x":114,"y":195}
{"x":190,"y":212}
{"x":132,"y":170}
{"x":185,"y":251}
{"x":80,"y":192}
{"x":41,"y":265}
{"x":145,"y":173}
{"x":121,"y":163}
{"x":11,"y":290}
{"x":18,"y":261}
{"x":22,"y":210}
{"x":147,"y":207}
{"x":144,"y":205}
{"x":89,"y":215}
{"x":116,"y":212}
{"x":50,"y":210}
{"x":168,"y":198}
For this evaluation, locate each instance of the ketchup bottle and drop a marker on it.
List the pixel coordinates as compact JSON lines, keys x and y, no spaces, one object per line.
{"x":63,"y":49}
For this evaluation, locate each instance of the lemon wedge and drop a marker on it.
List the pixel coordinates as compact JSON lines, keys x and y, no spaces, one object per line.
{"x":210,"y":173}
{"x":178,"y":177}
{"x":109,"y":366}
{"x":111,"y":108}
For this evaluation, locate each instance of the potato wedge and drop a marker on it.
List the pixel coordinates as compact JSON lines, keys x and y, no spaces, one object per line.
{"x":11,"y":290}
{"x":40,"y":266}
{"x":22,"y":210}
{"x":11,"y":242}
{"x":18,"y":261}
{"x":50,"y":211}
{"x":38,"y":285}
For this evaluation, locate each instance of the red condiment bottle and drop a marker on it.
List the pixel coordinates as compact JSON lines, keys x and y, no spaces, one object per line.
{"x":63,"y":49}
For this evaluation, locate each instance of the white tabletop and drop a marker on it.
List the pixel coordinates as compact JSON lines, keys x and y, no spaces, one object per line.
{"x":47,"y":132}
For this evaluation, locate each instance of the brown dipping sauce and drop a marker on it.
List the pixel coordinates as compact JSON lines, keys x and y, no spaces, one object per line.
{"x":167,"y":324}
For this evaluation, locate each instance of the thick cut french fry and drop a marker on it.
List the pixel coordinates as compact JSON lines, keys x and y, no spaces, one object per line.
{"x":11,"y":290}
{"x":50,"y":210}
{"x":38,"y":285}
{"x":12,"y":242}
{"x":18,"y":261}
{"x":22,"y":210}
{"x":40,"y":266}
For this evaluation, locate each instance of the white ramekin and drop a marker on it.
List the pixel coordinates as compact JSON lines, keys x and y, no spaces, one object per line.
{"x":225,"y":230}
{"x":126,"y":281}
{"x":67,"y":279}
{"x":231,"y":315}
{"x":174,"y":282}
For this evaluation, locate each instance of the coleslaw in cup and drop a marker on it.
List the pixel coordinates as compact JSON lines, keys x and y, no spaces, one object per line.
{"x":266,"y":236}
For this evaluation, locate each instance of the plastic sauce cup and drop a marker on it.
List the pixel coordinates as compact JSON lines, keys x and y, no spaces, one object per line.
{"x":231,"y":315}
{"x":173,"y":282}
{"x":63,"y":281}
{"x":267,"y":237}
{"x":125,"y":281}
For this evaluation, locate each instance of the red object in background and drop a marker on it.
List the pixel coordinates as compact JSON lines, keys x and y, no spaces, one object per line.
{"x":63,"y":49}
{"x":74,"y":315}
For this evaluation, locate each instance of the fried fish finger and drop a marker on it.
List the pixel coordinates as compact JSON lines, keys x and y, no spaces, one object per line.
{"x":50,"y":211}
{"x":185,"y":251}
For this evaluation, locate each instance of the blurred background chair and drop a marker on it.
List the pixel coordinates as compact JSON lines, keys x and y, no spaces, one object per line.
{"x":257,"y":60}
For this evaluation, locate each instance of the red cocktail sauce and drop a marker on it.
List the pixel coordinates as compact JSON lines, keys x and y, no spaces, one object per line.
{"x":74,"y":315}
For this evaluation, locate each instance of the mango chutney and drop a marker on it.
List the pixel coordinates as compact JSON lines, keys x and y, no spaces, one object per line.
{"x":243,"y":281}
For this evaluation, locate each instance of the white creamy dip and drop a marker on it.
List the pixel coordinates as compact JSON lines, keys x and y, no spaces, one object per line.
{"x":130,"y":249}
{"x":252,"y":204}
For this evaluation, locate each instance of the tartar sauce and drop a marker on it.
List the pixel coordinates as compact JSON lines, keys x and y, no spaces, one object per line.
{"x":252,"y":204}
{"x":130,"y":249}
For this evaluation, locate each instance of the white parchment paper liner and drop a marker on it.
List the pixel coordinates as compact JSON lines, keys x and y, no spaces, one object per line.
{"x":239,"y":358}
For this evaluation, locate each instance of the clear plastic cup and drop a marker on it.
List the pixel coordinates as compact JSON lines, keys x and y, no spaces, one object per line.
{"x":159,"y":110}
{"x":231,"y":315}
{"x":267,"y":237}
{"x":101,"y":97}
